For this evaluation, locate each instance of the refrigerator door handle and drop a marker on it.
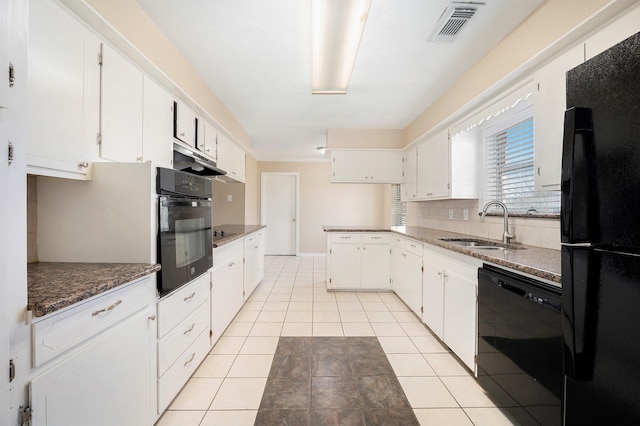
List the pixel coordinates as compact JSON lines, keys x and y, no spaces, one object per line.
{"x":578,"y":305}
{"x":579,"y":209}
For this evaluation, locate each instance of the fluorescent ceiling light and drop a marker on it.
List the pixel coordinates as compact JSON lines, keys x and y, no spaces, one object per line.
{"x":337,"y":27}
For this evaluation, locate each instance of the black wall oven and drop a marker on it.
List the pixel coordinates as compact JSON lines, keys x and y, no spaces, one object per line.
{"x":184,"y":228}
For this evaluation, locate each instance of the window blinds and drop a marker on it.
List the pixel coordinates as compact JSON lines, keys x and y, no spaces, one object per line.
{"x":510,"y":171}
{"x":398,"y":208}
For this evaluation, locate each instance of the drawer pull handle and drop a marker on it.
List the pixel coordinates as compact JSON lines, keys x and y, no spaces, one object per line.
{"x":345,"y":238}
{"x":107,"y":309}
{"x":190,"y":329}
{"x":404,"y":255}
{"x":256,"y":247}
{"x":152,"y":317}
{"x":188,"y":298}
{"x":376,"y":238}
{"x":231,"y":264}
{"x":413,"y":245}
{"x":193,"y":355}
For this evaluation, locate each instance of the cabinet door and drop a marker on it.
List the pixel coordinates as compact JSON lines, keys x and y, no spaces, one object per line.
{"x":349,"y":166}
{"x":186,"y":124}
{"x":433,"y":167}
{"x":375,"y":266}
{"x":408,"y":283}
{"x":110,"y":382}
{"x":548,"y":122}
{"x":409,"y":186}
{"x":250,"y":269}
{"x":157,"y":125}
{"x":63,"y":93}
{"x":226,"y":294}
{"x":385,"y":166}
{"x":121,"y":110}
{"x":460,"y":309}
{"x":210,"y":141}
{"x":345,"y":266}
{"x":433,"y":295}
{"x":231,"y":158}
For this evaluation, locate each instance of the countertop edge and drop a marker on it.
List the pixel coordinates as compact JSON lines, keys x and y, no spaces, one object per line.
{"x":49,"y":301}
{"x":248,"y":229}
{"x":533,"y":270}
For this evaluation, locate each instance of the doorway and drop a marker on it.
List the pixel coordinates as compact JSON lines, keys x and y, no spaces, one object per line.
{"x":279,"y":212}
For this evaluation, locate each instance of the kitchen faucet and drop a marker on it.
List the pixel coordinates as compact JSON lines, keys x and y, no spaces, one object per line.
{"x":506,"y":236}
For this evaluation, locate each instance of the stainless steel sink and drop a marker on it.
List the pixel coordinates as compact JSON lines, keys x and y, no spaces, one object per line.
{"x":474,"y":243}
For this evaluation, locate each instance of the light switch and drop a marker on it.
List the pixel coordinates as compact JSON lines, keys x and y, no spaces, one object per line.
{"x":229,"y":197}
{"x":465,"y":214}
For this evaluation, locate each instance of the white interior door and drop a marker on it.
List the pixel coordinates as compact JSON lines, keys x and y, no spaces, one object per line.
{"x":280,"y":213}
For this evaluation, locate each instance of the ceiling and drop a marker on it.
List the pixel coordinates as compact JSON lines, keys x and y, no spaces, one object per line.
{"x":256,"y":56}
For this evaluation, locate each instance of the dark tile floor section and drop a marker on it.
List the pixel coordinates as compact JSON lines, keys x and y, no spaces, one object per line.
{"x":329,"y":381}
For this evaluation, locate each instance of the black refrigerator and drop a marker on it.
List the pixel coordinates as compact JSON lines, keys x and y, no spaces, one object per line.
{"x":600,"y":230}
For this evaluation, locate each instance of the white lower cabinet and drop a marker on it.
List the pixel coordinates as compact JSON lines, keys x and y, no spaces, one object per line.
{"x":227,"y":279}
{"x":450,"y":301}
{"x":358,"y":261}
{"x":253,"y":262}
{"x":109,"y":377}
{"x":406,"y":269}
{"x":183,"y":336}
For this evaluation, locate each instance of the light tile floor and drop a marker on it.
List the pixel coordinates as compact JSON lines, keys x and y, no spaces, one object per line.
{"x":292,"y":300}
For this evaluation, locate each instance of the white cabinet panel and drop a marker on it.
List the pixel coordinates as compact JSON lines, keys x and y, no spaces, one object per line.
{"x":63,"y":93}
{"x":121,"y":108}
{"x":253,"y":262}
{"x":433,"y":294}
{"x":433,"y":167}
{"x":209,"y":143}
{"x":231,"y":158}
{"x":460,"y":307}
{"x":186,"y":122}
{"x":409,"y":187}
{"x":367,"y":166}
{"x":358,"y":261}
{"x":174,"y":308}
{"x":407,"y":276}
{"x":227,"y":291}
{"x":157,"y":125}
{"x":548,"y":120}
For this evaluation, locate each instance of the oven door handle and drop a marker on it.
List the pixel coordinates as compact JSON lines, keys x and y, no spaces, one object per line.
{"x":185,"y":202}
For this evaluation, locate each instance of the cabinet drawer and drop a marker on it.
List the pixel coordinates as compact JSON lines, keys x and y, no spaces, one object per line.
{"x":414,"y":247}
{"x":377,"y":238}
{"x":398,"y":241}
{"x":253,"y":239}
{"x":173,"y":309}
{"x":345,"y":238}
{"x":170,"y":383}
{"x":222,"y":255}
{"x":59,"y":333}
{"x":179,"y":339}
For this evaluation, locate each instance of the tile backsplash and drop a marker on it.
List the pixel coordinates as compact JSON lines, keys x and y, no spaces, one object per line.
{"x":529,"y":231}
{"x":32,"y":219}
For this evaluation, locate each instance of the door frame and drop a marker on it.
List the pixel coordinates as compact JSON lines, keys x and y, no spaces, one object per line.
{"x":296,"y":176}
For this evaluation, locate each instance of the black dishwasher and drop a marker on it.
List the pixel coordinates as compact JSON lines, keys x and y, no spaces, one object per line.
{"x":520,"y":345}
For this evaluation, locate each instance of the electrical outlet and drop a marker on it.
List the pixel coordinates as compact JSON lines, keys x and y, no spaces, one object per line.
{"x":465,"y":214}
{"x":450,"y":214}
{"x":229,"y":197}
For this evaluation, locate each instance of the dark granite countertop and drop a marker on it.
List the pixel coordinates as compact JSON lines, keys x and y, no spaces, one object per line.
{"x":55,"y":285}
{"x":537,"y":261}
{"x":232,"y":233}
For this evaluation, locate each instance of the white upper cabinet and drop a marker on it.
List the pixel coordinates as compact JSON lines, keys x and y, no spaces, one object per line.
{"x":209,"y":141}
{"x":157,"y":124}
{"x":186,"y":122}
{"x":367,"y":166}
{"x":548,"y":121}
{"x":121,"y":108}
{"x":231,"y":158}
{"x":63,"y":93}
{"x":433,"y":167}
{"x":409,"y":187}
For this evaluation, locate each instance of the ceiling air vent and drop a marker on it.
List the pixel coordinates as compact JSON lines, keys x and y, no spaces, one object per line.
{"x":452,"y":21}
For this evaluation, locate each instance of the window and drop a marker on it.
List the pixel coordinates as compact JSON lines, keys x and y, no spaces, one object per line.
{"x":510,"y":169}
{"x":398,"y":208}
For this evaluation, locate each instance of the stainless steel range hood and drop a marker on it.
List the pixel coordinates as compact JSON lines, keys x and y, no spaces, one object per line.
{"x":187,"y":159}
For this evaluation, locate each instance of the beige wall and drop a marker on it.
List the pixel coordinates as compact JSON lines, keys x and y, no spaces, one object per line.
{"x":251,"y":192}
{"x":365,"y":138}
{"x":324,"y":203}
{"x":227,"y":212}
{"x":552,"y":20}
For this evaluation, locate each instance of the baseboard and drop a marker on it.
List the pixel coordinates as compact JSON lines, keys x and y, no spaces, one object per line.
{"x":312,"y":254}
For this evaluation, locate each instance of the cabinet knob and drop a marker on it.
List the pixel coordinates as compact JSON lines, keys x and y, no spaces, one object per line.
{"x":83,"y":164}
{"x":152,"y":317}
